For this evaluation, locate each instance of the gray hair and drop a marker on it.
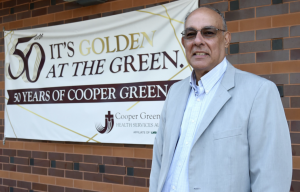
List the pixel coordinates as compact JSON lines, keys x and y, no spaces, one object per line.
{"x":211,"y":8}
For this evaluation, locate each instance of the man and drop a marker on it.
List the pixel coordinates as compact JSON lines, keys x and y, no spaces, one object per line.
{"x":222,"y":129}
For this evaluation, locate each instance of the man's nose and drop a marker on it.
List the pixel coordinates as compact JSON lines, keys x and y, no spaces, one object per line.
{"x":199,"y":39}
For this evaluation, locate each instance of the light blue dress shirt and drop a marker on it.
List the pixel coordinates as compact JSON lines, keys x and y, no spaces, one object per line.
{"x":198,"y":102}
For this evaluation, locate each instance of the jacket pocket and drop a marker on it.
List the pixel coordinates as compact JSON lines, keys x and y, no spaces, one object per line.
{"x":228,"y":133}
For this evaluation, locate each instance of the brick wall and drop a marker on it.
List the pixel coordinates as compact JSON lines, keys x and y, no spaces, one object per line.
{"x":265,"y":41}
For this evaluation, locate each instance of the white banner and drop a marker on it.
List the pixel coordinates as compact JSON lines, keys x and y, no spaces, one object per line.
{"x":102,"y":80}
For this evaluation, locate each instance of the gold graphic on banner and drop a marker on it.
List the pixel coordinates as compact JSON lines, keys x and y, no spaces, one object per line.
{"x":118,"y":42}
{"x":9,"y":33}
{"x":132,"y":106}
{"x":57,"y":124}
{"x":92,"y":137}
{"x":93,"y":45}
{"x":178,"y":72}
{"x":177,"y":37}
{"x":160,"y":15}
{"x":107,"y":46}
{"x":134,"y":41}
{"x":170,"y":19}
{"x":147,"y":38}
{"x":80,"y":47}
{"x":9,"y":41}
{"x":130,"y":40}
{"x":10,"y":122}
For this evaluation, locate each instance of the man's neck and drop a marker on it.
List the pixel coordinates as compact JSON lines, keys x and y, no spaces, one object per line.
{"x":200,"y":73}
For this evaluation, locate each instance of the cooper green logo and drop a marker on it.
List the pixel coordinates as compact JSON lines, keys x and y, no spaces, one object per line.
{"x":109,"y":124}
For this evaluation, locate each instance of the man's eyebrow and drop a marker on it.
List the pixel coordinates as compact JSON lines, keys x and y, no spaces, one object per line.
{"x":210,"y":26}
{"x":190,"y":28}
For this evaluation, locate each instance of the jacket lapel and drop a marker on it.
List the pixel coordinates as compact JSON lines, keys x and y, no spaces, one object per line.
{"x":182,"y":94}
{"x":184,"y":91}
{"x":220,"y":98}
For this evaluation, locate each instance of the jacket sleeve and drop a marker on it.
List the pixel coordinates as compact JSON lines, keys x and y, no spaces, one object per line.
{"x":158,"y":149}
{"x":270,"y":155}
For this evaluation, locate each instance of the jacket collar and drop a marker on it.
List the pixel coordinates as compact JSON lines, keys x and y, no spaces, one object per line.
{"x":209,"y":80}
{"x":220,"y":99}
{"x":228,"y":79}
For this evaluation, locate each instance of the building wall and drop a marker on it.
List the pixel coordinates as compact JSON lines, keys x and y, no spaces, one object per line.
{"x":265,"y":41}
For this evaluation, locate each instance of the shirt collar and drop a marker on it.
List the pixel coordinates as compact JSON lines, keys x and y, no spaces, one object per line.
{"x":209,"y":80}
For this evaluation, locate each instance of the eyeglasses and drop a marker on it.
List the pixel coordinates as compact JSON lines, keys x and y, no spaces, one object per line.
{"x":206,"y":32}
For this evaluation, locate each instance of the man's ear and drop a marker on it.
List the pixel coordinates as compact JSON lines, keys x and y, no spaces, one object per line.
{"x":182,"y":41}
{"x":227,"y":38}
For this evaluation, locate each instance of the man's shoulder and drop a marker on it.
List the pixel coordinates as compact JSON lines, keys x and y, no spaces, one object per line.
{"x":183,"y":82}
{"x":245,"y":78}
{"x":251,"y":83}
{"x":179,"y":87}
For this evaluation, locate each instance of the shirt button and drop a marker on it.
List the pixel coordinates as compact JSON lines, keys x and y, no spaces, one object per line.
{"x":186,"y":143}
{"x":193,"y":121}
{"x":198,"y":99}
{"x":173,"y":187}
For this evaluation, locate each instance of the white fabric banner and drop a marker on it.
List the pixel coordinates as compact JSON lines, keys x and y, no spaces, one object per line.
{"x":101,"y":80}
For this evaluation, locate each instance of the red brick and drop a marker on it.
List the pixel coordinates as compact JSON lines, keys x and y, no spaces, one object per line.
{"x":113,"y":179}
{"x":43,"y":3}
{"x":39,"y":170}
{"x":135,"y":181}
{"x":73,"y":174}
{"x":23,"y":153}
{"x":39,"y":154}
{"x":93,"y":159}
{"x":130,"y":162}
{"x":93,"y":176}
{"x":256,"y":23}
{"x":23,"y":184}
{"x":4,"y":12}
{"x":56,"y":172}
{"x":52,"y":188}
{"x":143,"y":2}
{"x":9,"y":167}
{"x":115,"y":170}
{"x":24,"y":15}
{"x":23,"y":1}
{"x":20,"y":8}
{"x":56,"y":156}
{"x":10,"y":3}
{"x":55,"y":8}
{"x":4,"y":159}
{"x":39,"y":187}
{"x":21,"y":160}
{"x":4,"y":188}
{"x":41,"y":162}
{"x":9,"y":152}
{"x":74,"y":157}
{"x":113,"y":160}
{"x":39,"y":12}
{"x":9,"y":182}
{"x":88,"y":167}
{"x":286,"y":20}
{"x":20,"y":190}
{"x":23,"y":169}
{"x":64,"y":165}
{"x":121,"y":4}
{"x":142,"y":172}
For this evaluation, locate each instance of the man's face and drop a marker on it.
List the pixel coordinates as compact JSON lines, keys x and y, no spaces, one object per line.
{"x":202,"y":53}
